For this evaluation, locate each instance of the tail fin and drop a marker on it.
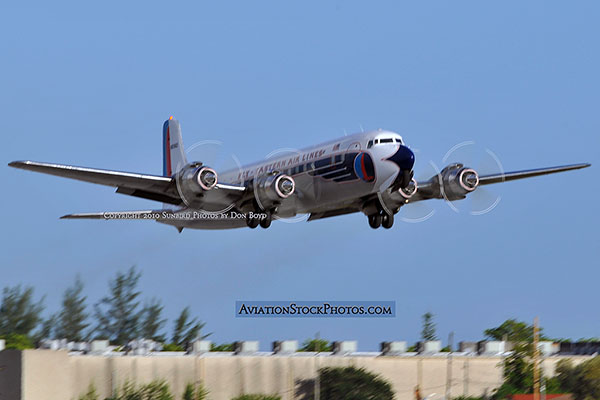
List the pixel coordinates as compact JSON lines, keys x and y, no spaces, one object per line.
{"x":173,"y":153}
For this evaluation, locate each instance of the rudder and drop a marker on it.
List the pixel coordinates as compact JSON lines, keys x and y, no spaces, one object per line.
{"x":173,"y":152}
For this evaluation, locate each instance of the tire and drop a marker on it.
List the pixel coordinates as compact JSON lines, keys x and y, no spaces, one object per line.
{"x":375,"y":221}
{"x":387,"y":220}
{"x":266,"y":222}
{"x":252,"y":222}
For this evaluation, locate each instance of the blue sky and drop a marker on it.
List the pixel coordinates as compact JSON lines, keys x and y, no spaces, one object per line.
{"x":91,"y":84}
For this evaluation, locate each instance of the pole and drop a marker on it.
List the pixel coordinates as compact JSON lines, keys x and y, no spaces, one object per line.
{"x":449,"y":367}
{"x":466,"y":378}
{"x":536,"y":360}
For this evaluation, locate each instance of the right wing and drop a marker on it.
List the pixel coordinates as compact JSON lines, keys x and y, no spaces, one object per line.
{"x":151,"y":187}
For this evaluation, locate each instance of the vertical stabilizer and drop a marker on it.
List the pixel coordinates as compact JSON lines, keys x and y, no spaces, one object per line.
{"x":173,"y":152}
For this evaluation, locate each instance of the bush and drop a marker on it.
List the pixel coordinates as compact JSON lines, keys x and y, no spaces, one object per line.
{"x":155,"y":390}
{"x":90,"y":394}
{"x":195,"y":392}
{"x":257,"y":397}
{"x":172,"y":347}
{"x":352,"y":383}
{"x":17,"y":342}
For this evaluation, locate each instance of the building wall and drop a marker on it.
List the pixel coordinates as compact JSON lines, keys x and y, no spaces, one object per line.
{"x":54,"y":375}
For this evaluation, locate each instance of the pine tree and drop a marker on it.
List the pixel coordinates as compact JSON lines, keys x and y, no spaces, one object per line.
{"x":117,"y":314}
{"x":152,"y":322}
{"x":428,"y":332}
{"x":186,"y":330}
{"x":72,"y":317}
{"x":19,"y":314}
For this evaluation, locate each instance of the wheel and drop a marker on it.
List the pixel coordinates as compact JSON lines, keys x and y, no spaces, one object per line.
{"x":375,"y":221}
{"x":266,"y":221}
{"x":387,"y":220}
{"x":252,"y":222}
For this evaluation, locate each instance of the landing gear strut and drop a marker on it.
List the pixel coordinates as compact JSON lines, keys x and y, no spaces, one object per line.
{"x":382,"y":218}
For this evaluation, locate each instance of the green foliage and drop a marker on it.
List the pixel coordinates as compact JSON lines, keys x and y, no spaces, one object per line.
{"x":151,"y":321}
{"x":172,"y":347}
{"x":17,"y":342}
{"x":18,"y":312}
{"x":428,"y":331}
{"x":583,"y":380}
{"x":222,"y":347}
{"x":412,"y":349}
{"x":513,"y":331}
{"x":90,"y":394}
{"x":72,"y":317}
{"x":155,"y":390}
{"x":467,"y":398}
{"x":316,"y":345}
{"x":187,"y":330}
{"x":195,"y":392}
{"x":118,"y":314}
{"x":352,"y":383}
{"x":257,"y":397}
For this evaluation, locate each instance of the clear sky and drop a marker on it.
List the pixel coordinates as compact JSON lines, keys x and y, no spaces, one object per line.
{"x":91,"y":83}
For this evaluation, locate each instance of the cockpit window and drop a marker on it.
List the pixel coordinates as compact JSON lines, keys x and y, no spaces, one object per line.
{"x":369,"y":144}
{"x":387,"y":140}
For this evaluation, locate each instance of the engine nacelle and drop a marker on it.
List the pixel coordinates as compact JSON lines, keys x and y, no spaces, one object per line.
{"x":196,"y":178}
{"x":397,"y":198}
{"x":458,"y":181}
{"x":272,"y":189}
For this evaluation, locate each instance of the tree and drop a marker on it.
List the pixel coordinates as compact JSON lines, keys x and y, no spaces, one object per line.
{"x":512,"y":331}
{"x":72,"y":317}
{"x":352,"y":383}
{"x":19,"y":314}
{"x":428,"y":331}
{"x":118,"y":313}
{"x":316,"y":345}
{"x":151,"y":321}
{"x":187,"y":330}
{"x":583,"y":380}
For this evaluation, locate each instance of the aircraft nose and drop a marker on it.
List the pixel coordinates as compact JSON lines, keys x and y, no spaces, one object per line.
{"x":404,"y":158}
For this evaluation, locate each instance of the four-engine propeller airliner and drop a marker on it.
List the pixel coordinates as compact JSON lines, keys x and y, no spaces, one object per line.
{"x":368,"y":172}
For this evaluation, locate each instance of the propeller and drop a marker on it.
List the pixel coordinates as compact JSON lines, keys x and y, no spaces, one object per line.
{"x":483,"y":160}
{"x":421,"y":210}
{"x":213,"y":154}
{"x":306,"y":183}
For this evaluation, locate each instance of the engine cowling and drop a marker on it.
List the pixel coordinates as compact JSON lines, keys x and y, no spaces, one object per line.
{"x":197,"y":179}
{"x":396,"y":198}
{"x":272,"y":189}
{"x":458,"y":181}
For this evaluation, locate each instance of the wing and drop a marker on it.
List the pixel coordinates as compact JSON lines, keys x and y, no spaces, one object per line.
{"x":152,"y":187}
{"x":528,"y":173}
{"x":430,"y":189}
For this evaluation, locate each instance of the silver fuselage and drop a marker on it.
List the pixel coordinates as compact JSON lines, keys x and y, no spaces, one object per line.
{"x":327,"y":176}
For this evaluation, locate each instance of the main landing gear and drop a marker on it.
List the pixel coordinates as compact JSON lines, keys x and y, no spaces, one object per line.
{"x":381,"y":219}
{"x":263,"y":219}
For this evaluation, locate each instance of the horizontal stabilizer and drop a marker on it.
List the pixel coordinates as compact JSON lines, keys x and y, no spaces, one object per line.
{"x":112,"y":215}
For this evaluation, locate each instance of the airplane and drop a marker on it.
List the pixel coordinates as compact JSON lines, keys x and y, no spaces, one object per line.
{"x":368,"y":172}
